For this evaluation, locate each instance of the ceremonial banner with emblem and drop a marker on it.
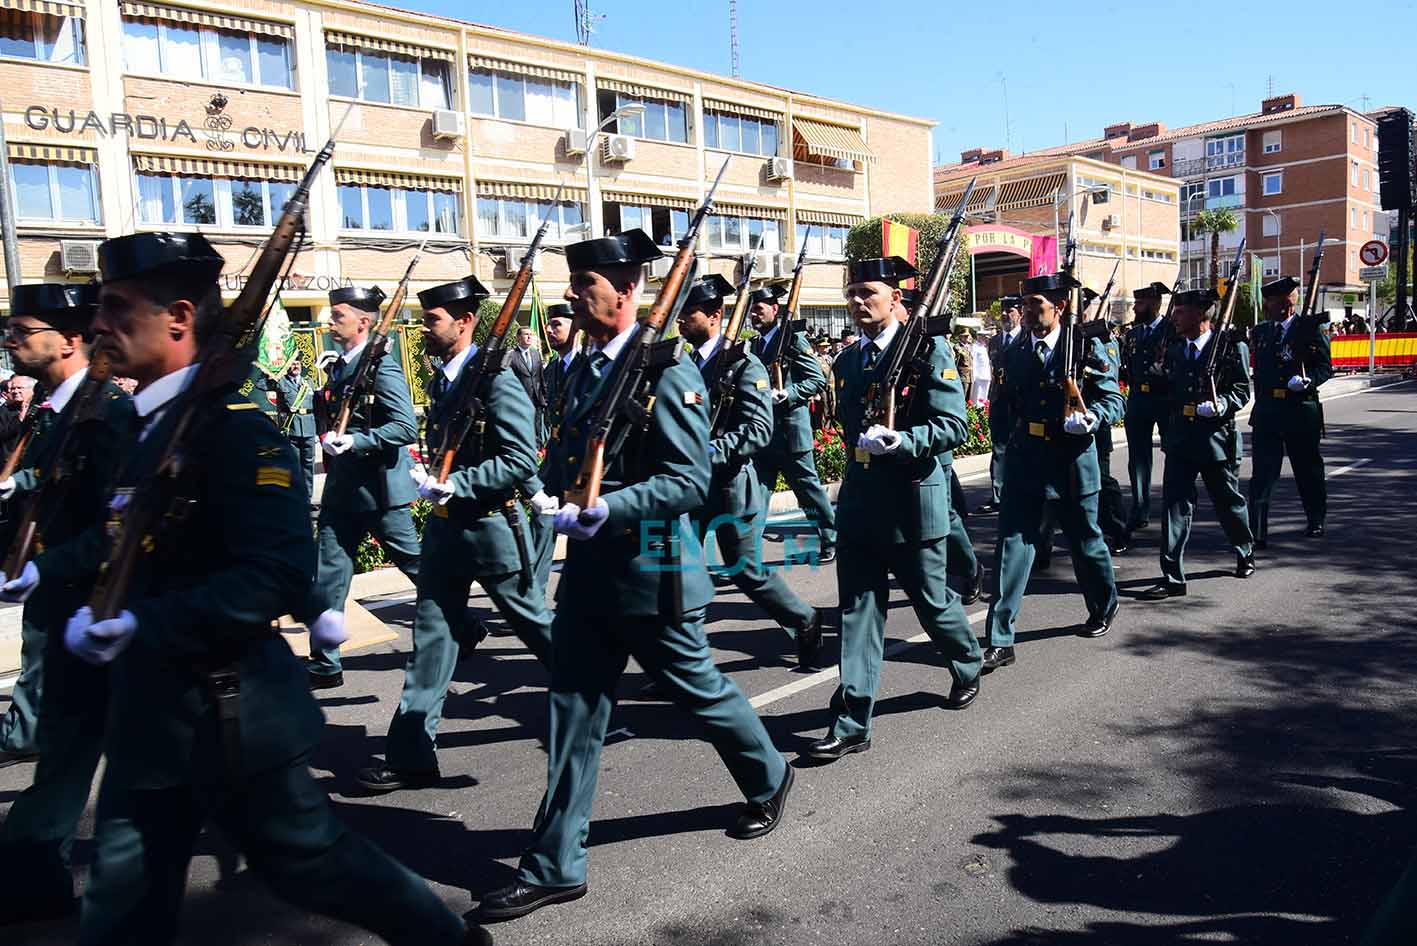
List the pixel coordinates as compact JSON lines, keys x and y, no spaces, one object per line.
{"x":899,"y":240}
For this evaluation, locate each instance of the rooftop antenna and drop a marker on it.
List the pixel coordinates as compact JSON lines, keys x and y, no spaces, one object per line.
{"x":585,"y":21}
{"x":1270,"y":93}
{"x":733,"y":37}
{"x":1004,"y":84}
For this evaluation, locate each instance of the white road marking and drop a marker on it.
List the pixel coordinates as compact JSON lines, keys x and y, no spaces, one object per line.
{"x":1345,"y":469}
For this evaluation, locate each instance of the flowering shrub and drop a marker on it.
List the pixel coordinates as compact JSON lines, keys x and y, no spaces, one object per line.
{"x":830,"y":454}
{"x":370,"y":554}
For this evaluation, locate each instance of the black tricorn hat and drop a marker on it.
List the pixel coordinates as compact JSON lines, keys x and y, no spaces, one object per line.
{"x":66,"y":307}
{"x":1198,"y":298}
{"x":1049,"y":282}
{"x":187,"y":255}
{"x":1010,"y":302}
{"x":909,"y":298}
{"x":1154,"y":291}
{"x":768,"y":294}
{"x":359,"y":297}
{"x":1280,"y":287}
{"x":1089,"y":294}
{"x":630,"y":247}
{"x":887,"y":269}
{"x":560,"y":310}
{"x":467,"y":292}
{"x":708,"y":290}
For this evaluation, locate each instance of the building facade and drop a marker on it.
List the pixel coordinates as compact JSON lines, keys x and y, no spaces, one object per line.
{"x":122,"y":116}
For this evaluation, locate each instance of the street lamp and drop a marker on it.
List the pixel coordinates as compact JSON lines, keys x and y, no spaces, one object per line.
{"x":624,"y":111}
{"x":1278,"y":242}
{"x":1186,"y":256}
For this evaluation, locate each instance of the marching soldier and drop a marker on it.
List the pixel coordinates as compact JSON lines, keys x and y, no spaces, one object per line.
{"x":295,"y":409}
{"x":734,"y":512}
{"x":1291,"y":362}
{"x":1010,"y":330}
{"x":894,"y":509}
{"x":48,"y":339}
{"x":1111,"y":515}
{"x":368,"y":490}
{"x":468,"y":537}
{"x":619,"y":597}
{"x":790,"y":450}
{"x":1052,"y":461}
{"x":1202,"y":440}
{"x":210,"y":717}
{"x":565,"y":341}
{"x":1147,"y":396}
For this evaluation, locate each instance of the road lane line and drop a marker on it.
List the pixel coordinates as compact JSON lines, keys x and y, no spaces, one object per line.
{"x":1350,"y":467}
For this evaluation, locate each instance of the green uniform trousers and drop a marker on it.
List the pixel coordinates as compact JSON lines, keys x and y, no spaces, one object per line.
{"x":305,"y":449}
{"x":1267,"y":450}
{"x":1178,"y":495}
{"x":340,"y":533}
{"x":1111,"y":515}
{"x":20,"y":724}
{"x":1019,"y":526}
{"x":800,"y":472}
{"x":543,"y":548}
{"x":588,"y":654}
{"x":960,"y":559}
{"x":863,"y":582}
{"x":997,"y":451}
{"x":282,"y":821}
{"x":1145,"y":412}
{"x":440,"y":625}
{"x":739,"y":539}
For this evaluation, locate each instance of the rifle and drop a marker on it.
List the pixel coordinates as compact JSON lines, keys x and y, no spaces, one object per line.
{"x":362,"y":387}
{"x":733,"y":350}
{"x":224,"y":362}
{"x":12,"y":462}
{"x":1308,"y":319}
{"x":630,"y":393}
{"x":790,"y":324}
{"x":1222,"y":324}
{"x":1070,"y":344}
{"x":1107,"y":292}
{"x":1168,"y":330}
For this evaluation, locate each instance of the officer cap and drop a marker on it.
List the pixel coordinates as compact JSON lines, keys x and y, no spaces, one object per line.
{"x":185,"y":255}
{"x":909,"y":298}
{"x":69,"y":308}
{"x":1089,"y":294}
{"x":1280,"y":287}
{"x":768,"y":294}
{"x":1010,"y":302}
{"x":1154,"y":291}
{"x":359,"y":297}
{"x":1049,"y":283}
{"x":628,"y":248}
{"x":887,"y":269}
{"x":708,"y":290}
{"x":464,"y":293}
{"x":559,"y":310}
{"x":1198,"y":298}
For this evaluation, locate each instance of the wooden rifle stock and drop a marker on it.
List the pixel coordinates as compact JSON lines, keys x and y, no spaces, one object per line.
{"x":12,"y":462}
{"x":731,"y":350}
{"x":363,"y":383}
{"x":794,"y":294}
{"x":1307,"y":317}
{"x":1221,"y":330}
{"x":1168,"y":330}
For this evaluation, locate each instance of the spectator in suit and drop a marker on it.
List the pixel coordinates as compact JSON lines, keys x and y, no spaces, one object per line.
{"x":17,"y":394}
{"x":530,"y":368}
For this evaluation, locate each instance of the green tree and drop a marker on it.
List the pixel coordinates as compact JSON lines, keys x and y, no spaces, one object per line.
{"x":863,"y":241}
{"x":1215,"y":222}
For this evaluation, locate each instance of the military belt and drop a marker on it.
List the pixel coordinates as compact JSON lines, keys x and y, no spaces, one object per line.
{"x":224,"y":686}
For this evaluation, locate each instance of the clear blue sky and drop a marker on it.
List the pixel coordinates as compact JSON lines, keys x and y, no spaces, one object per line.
{"x":1084,"y":65}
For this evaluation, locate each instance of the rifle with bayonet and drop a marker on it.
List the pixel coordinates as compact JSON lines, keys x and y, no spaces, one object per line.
{"x":1307,"y":325}
{"x":1219,"y":346}
{"x":630,"y":390}
{"x":1168,"y":331}
{"x":788,"y":323}
{"x":732,"y":351}
{"x":1072,"y":341}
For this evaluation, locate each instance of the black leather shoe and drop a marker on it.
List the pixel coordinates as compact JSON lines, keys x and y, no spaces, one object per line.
{"x":380,"y":778}
{"x":826,"y":554}
{"x":1315,"y":531}
{"x":759,"y":817}
{"x":1138,"y":526}
{"x":1163,"y":590}
{"x":988,"y":509}
{"x":15,"y":758}
{"x":520,"y":899}
{"x":1100,"y":624}
{"x":809,"y":641}
{"x":996,"y":657}
{"x":1244,"y":566}
{"x":834,"y":747}
{"x":962,"y":694}
{"x":326,"y":681}
{"x":1119,"y":544}
{"x":476,"y":936}
{"x":973,"y":588}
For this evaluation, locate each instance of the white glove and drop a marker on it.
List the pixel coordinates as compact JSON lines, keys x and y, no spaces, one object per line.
{"x":99,"y":643}
{"x":545,"y":505}
{"x":879,"y":440}
{"x":335,"y":444}
{"x":1080,"y":423}
{"x":1297,"y":384}
{"x":435,"y":492}
{"x":574,"y":523}
{"x":778,"y":395}
{"x":1211,"y":408}
{"x":19,"y":588}
{"x":327,"y":630}
{"x":418,"y":475}
{"x":7,"y":488}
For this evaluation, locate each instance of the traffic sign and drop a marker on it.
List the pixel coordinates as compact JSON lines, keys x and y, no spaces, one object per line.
{"x":1373,"y":253}
{"x":1373,"y":273}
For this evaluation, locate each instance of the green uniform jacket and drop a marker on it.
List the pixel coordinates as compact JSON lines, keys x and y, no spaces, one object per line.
{"x":999,"y":345}
{"x":1094,"y":393}
{"x":205,"y":596}
{"x":651,"y":487}
{"x":1144,"y":384}
{"x":1278,"y":409}
{"x":1201,"y":440}
{"x":295,"y":405}
{"x":1041,"y":456}
{"x":492,"y":462}
{"x":374,"y":474}
{"x":880,"y":501}
{"x":746,"y":430}
{"x":803,"y":380}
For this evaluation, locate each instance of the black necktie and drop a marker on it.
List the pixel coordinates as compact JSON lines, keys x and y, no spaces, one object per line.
{"x":868,"y":360}
{"x":698,"y":359}
{"x":1195,"y":352}
{"x":1042,"y":349}
{"x":440,"y":385}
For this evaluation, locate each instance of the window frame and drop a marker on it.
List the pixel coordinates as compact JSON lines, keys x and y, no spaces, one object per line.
{"x":222,"y":198}
{"x":556,"y":86}
{"x":712,"y":120}
{"x":1275,"y":146}
{"x":209,"y":56}
{"x":1268,"y":176}
{"x":449,"y":86}
{"x":532,"y":210}
{"x":717,"y":230}
{"x":1156,"y":160}
{"x":73,"y":23}
{"x":821,"y":232}
{"x":639,"y":123}
{"x":56,"y":201}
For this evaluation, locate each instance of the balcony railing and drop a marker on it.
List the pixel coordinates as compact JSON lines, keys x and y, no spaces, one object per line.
{"x":1229,"y":200}
{"x":1196,"y":167}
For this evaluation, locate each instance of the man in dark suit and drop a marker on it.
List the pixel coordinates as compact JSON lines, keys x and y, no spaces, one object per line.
{"x":530,"y":368}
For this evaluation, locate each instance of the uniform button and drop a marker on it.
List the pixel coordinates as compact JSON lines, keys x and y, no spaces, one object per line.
{"x":570,"y":459}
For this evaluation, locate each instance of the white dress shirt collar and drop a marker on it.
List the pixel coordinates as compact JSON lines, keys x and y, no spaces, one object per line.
{"x":768,"y":336}
{"x":1012,"y":333}
{"x":351,"y":356}
{"x":1051,"y":340}
{"x":568,"y":357}
{"x":152,"y":401}
{"x":707,"y":349}
{"x":1155,"y":323}
{"x":1200,"y":342}
{"x":883,"y":340}
{"x":611,"y":349}
{"x":60,"y":398}
{"x":1284,"y":326}
{"x":453,"y":366}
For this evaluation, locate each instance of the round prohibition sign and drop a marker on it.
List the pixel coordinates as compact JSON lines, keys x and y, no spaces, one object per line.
{"x":1373,"y":253}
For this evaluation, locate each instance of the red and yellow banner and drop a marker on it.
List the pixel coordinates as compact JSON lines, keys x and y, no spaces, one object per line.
{"x":899,"y":240}
{"x":1393,"y":350}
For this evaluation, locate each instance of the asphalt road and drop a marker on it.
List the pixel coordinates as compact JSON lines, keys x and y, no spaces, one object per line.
{"x":1236,"y":766}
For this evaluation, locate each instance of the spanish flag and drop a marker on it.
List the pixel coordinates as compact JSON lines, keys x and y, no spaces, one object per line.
{"x":899,"y":240}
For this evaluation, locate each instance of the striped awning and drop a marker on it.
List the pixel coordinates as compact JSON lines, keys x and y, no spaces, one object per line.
{"x":525,"y":69}
{"x":735,"y":108}
{"x":398,"y":48}
{"x":826,"y":218}
{"x":219,"y":21}
{"x":20,"y":151}
{"x":1030,"y":192}
{"x":644,"y":91}
{"x":526,"y":191}
{"x":751,"y":211}
{"x":48,"y":7}
{"x":216,"y":167}
{"x":832,"y":141}
{"x":984,"y":198}
{"x":374,"y":178}
{"x":650,"y":200}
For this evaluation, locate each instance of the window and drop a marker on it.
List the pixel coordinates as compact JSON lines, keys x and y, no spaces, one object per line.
{"x":1353,"y":174}
{"x":372,"y":76}
{"x":1192,"y":191}
{"x":730,"y":132}
{"x":207,"y":201}
{"x":1270,"y":225}
{"x":825,"y":242}
{"x":1353,"y":217}
{"x":1155,"y":160}
{"x":1367,"y":139}
{"x":525,"y":98}
{"x":1161,"y":196}
{"x":1273,"y":141}
{"x":1367,"y":180}
{"x":1365,"y":220}
{"x":1225,"y":152}
{"x":1272,"y":183}
{"x":518,"y":219}
{"x":1130,"y":162}
{"x":1271,"y":269}
{"x":1221,"y":186}
{"x":1355,"y":133}
{"x":399,"y":209}
{"x":665,"y":225}
{"x":740,"y":234}
{"x":176,"y":49}
{"x":662,"y":120}
{"x":53,"y":193}
{"x":44,"y":38}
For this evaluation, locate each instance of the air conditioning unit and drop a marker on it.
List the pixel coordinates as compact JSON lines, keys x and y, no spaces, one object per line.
{"x":448,"y":123}
{"x":575,"y":140}
{"x":765,"y":265}
{"x":617,"y":148}
{"x":659,"y":268}
{"x":784,"y":265}
{"x":515,"y":255}
{"x":78,"y":256}
{"x":779,"y":169}
{"x":1111,"y":221}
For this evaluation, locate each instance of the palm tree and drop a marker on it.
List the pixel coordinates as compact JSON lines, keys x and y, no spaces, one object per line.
{"x":1215,"y":222}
